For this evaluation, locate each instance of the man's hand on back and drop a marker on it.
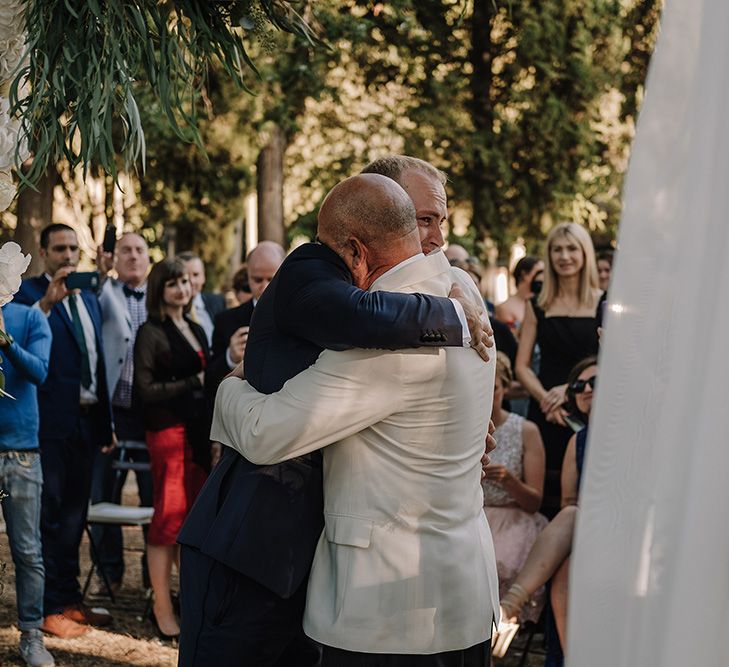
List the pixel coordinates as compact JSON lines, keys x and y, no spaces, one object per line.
{"x":481,"y":333}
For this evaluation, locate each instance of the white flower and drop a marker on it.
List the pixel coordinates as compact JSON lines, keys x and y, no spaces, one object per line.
{"x":7,"y":190}
{"x":13,"y":264}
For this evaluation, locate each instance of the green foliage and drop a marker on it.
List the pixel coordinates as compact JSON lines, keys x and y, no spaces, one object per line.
{"x":87,"y":55}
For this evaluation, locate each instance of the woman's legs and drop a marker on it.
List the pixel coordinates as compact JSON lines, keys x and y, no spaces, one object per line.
{"x":159,"y":561}
{"x":551,"y":548}
{"x":559,"y":600}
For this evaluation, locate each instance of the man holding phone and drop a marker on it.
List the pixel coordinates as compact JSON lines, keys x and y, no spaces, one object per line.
{"x":75,"y":421}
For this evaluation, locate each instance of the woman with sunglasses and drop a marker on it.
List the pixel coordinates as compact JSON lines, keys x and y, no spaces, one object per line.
{"x":550,"y":555}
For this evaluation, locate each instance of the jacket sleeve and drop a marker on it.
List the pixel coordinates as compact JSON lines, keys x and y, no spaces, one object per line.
{"x":316,"y":301}
{"x":149,"y":344}
{"x":340,"y":395}
{"x":31,"y":361}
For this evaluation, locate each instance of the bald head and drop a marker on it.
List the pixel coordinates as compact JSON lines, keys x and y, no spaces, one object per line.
{"x":456,"y":252}
{"x":371,"y":207}
{"x":263,"y":262}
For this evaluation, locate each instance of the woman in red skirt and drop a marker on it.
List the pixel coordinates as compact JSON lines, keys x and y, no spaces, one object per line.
{"x":169,"y":361}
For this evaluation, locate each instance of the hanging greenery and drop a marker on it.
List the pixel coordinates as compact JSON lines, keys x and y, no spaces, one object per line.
{"x":75,"y":94}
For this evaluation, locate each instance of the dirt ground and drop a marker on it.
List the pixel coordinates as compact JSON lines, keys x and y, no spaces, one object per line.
{"x":130,"y":640}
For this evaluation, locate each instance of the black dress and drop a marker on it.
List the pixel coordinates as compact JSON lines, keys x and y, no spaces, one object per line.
{"x":564,"y":341}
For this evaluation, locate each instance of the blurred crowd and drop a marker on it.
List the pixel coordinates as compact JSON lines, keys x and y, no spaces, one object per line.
{"x":125,"y":365}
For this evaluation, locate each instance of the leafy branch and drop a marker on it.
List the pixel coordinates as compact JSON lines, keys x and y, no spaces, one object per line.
{"x":75,"y":94}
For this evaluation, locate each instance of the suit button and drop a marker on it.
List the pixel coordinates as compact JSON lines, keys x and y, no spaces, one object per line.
{"x":126,"y":340}
{"x":121,"y":361}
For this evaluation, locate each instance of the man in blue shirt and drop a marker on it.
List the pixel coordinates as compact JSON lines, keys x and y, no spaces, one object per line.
{"x":25,"y":365}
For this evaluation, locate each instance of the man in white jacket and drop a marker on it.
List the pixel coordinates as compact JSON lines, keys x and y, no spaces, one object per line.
{"x":405,"y":565}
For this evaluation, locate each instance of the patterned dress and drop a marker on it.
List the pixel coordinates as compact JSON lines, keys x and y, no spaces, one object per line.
{"x":514,"y":530}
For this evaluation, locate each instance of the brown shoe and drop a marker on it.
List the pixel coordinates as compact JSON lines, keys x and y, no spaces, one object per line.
{"x":80,"y":613}
{"x":63,"y":627}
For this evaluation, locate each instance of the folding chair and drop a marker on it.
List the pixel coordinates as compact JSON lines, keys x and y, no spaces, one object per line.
{"x":116,"y":513}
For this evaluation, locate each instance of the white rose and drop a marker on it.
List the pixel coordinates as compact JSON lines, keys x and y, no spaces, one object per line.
{"x":13,"y":264}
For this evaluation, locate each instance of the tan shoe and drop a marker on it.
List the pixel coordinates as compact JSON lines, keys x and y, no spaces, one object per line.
{"x":63,"y":627}
{"x":81,"y":613}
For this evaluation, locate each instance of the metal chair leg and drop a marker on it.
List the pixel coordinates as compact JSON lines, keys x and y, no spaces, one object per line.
{"x":95,"y":558}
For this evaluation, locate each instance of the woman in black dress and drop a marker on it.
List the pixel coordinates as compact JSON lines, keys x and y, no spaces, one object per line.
{"x":562,"y":319}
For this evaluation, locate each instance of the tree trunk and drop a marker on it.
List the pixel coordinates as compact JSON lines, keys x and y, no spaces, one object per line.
{"x":35,"y":211}
{"x":270,"y":188}
{"x":482,"y":115}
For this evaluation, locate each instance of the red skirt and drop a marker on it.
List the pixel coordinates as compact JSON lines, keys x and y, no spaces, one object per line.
{"x":176,"y":482}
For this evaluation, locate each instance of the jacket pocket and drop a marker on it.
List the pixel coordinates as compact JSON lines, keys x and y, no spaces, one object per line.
{"x":349,"y":531}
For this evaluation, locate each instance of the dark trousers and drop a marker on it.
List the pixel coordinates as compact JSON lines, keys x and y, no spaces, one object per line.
{"x":66,"y":467}
{"x":228,"y":620}
{"x":475,"y":656}
{"x":106,"y":486}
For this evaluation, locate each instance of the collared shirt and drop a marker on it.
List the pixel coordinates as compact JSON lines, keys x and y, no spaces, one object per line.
{"x":203,"y":317}
{"x":137,"y":309}
{"x":90,"y":395}
{"x":459,"y":308}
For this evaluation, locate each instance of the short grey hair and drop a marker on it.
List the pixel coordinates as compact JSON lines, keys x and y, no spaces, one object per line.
{"x":393,"y":167}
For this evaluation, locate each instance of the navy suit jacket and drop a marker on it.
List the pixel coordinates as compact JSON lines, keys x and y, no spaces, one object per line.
{"x":58,"y":396}
{"x":265,"y":521}
{"x":226,"y":324}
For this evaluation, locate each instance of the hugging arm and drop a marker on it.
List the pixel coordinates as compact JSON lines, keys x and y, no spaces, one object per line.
{"x":341,"y":394}
{"x":317,"y":301}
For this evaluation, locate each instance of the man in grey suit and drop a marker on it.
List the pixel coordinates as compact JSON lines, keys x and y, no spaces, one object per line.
{"x":124,"y":310}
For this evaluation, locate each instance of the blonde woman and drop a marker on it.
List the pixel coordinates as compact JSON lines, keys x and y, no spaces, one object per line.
{"x":562,"y":319}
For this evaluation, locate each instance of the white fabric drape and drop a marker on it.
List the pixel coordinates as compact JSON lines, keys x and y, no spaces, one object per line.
{"x":650,"y":577}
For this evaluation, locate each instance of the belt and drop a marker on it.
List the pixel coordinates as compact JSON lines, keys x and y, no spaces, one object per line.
{"x":85,"y":409}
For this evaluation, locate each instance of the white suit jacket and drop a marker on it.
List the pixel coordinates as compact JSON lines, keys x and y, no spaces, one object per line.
{"x":406,"y":561}
{"x":116,"y":330}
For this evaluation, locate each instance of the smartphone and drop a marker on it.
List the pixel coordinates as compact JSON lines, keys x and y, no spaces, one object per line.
{"x":83,"y":280}
{"x":109,"y":239}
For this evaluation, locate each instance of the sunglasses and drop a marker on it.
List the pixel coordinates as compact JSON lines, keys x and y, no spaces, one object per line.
{"x":578,"y":386}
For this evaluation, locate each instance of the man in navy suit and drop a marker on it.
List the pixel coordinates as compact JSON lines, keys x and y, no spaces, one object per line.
{"x":75,"y":421}
{"x":249,"y":541}
{"x":231,"y":326}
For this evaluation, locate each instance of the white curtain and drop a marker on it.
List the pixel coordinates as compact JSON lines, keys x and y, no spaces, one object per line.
{"x":650,"y":577}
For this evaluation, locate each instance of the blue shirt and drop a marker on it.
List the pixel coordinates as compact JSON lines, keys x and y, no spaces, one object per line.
{"x":25,"y":365}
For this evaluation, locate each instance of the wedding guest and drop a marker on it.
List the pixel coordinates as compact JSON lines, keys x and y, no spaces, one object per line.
{"x":511,"y":312}
{"x":605,"y":267}
{"x":512,"y":489}
{"x":241,"y":288}
{"x":205,"y":305}
{"x":123,"y":311}
{"x":455,"y":252}
{"x":231,"y":326}
{"x":170,"y":355}
{"x":75,"y":421}
{"x":549,"y":557}
{"x":562,"y":321}
{"x":25,"y":351}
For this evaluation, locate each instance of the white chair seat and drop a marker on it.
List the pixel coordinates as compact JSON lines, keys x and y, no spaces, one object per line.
{"x":120,"y":515}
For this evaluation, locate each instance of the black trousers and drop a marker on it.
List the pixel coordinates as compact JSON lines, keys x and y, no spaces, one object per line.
{"x":66,"y":464}
{"x":228,"y":620}
{"x":475,"y":656}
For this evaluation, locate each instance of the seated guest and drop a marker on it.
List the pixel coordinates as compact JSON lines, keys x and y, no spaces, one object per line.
{"x":75,"y":421}
{"x":25,"y":352}
{"x":205,"y":305}
{"x":231,"y":326}
{"x":170,"y":355}
{"x":241,"y":288}
{"x":549,"y":557}
{"x":512,"y":489}
{"x":511,"y":312}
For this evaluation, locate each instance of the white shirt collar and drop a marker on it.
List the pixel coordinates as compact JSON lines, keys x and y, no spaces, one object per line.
{"x":401,"y":265}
